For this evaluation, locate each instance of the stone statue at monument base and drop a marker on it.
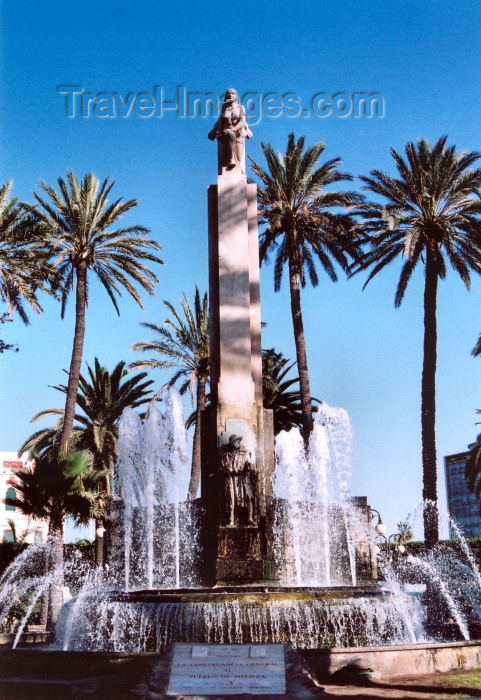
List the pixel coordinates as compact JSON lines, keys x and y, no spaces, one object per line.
{"x":239,"y":484}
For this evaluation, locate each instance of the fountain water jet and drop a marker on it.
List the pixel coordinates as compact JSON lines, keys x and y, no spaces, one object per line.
{"x":150,"y":519}
{"x":314,"y":511}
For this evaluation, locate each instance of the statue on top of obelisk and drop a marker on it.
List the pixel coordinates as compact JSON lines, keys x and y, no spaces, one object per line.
{"x":230,"y":131}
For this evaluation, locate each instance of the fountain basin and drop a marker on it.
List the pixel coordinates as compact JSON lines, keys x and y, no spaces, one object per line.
{"x":401,"y":660}
{"x":306,"y":618}
{"x":247,"y":594}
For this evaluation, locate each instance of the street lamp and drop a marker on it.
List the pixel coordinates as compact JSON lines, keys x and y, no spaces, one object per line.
{"x":397,"y":542}
{"x":391,"y":544}
{"x":380,"y":528}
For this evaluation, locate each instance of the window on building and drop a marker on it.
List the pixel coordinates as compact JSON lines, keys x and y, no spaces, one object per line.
{"x":10,"y":494}
{"x":37,"y":538}
{"x":8,"y":536}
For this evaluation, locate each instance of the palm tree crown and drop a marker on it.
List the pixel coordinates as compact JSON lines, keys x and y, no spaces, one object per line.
{"x":295,"y":207}
{"x":430,"y":216}
{"x":81,"y":224}
{"x":302,"y":228}
{"x":278,"y":392}
{"x":184,"y":346}
{"x":102,"y":398}
{"x":24,"y":267}
{"x":50,"y":488}
{"x":79,"y":219}
{"x":184,"y":342}
{"x":432,"y":210}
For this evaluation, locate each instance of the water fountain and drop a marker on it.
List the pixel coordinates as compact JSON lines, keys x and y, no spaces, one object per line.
{"x":152,"y":595}
{"x":314,"y":602}
{"x":314,"y":517}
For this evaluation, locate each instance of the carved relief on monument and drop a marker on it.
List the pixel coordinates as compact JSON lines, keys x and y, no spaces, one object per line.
{"x":230,"y":132}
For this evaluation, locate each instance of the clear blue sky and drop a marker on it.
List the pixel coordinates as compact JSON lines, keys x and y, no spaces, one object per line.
{"x":364,"y":355}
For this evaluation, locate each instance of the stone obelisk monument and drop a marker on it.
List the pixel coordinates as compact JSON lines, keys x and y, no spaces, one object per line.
{"x":238,"y":476}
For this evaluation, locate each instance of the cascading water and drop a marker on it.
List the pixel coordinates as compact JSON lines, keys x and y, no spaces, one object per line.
{"x":409,"y":608}
{"x":313,"y":515}
{"x":25,"y":583}
{"x":154,"y":542}
{"x":24,"y":580}
{"x":309,"y":621}
{"x":450,"y":575}
{"x":313,"y":523}
{"x":432,"y":574}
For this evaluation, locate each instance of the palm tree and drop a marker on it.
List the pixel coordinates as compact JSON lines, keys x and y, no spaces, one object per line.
{"x":430,"y":216}
{"x":79,"y":220}
{"x":405,"y":530}
{"x":301,"y":228}
{"x":49,"y":488}
{"x":473,"y":466}
{"x":278,"y":393}
{"x":24,"y":267}
{"x":184,"y":342}
{"x":102,"y":398}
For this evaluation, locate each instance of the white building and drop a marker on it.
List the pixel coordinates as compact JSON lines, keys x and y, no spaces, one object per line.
{"x":36,"y":529}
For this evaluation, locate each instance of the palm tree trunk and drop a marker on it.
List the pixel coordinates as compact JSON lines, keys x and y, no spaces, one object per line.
{"x":196,"y":447}
{"x":99,"y":542}
{"x":44,"y":605}
{"x":428,"y":405}
{"x":55,"y":533}
{"x":300,"y":341}
{"x":44,"y":608}
{"x":76,"y":359}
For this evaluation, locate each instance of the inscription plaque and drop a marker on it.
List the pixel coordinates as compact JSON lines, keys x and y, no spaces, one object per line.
{"x":227,"y":669}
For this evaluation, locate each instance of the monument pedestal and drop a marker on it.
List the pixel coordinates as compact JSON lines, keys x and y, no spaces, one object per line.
{"x":239,"y":542}
{"x":239,"y":556}
{"x":236,"y":374}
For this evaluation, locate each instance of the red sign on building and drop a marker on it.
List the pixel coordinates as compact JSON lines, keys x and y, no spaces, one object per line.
{"x":13,"y":465}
